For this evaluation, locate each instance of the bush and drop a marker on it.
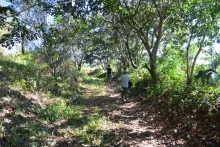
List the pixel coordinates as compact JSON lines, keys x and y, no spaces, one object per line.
{"x":95,"y":72}
{"x":35,"y":77}
{"x":58,"y":111}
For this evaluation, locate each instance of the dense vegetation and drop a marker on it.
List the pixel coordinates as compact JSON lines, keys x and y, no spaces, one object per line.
{"x":49,"y":88}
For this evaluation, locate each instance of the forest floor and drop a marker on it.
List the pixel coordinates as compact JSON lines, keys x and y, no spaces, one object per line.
{"x":137,"y":125}
{"x":133,"y":124}
{"x":99,"y":118}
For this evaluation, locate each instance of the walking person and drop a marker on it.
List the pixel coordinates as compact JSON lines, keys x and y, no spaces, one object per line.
{"x":124,"y":79}
{"x":109,"y":74}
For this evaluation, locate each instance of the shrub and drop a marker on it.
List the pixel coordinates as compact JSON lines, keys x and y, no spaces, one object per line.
{"x":58,"y":111}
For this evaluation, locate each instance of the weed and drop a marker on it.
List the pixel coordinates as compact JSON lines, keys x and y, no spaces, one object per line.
{"x":93,"y":81}
{"x":2,"y":131}
{"x":91,"y":133}
{"x":58,"y":111}
{"x":18,"y":135}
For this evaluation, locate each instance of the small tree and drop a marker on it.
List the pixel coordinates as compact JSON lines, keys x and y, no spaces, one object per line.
{"x":54,"y":51}
{"x":195,"y":24}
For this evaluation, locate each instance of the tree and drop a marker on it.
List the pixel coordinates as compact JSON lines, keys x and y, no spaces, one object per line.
{"x":196,"y":24}
{"x":79,"y":50}
{"x":54,"y":50}
{"x":146,"y":19}
{"x":20,"y":22}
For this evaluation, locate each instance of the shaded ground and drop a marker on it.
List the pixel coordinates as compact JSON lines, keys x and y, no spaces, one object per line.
{"x":132,"y":124}
{"x":129,"y":124}
{"x":21,"y":124}
{"x":138,"y":125}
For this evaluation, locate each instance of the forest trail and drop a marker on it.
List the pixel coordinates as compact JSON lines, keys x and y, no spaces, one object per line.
{"x":98,"y":118}
{"x":132,"y":122}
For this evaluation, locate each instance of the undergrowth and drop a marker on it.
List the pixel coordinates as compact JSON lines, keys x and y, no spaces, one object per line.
{"x":35,"y":122}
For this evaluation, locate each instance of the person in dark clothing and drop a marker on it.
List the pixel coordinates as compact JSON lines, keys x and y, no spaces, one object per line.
{"x":109,"y":74}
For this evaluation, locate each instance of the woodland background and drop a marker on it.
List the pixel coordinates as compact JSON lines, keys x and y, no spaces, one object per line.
{"x":61,"y":49}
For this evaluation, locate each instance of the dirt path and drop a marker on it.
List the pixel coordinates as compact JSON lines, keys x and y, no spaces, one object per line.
{"x":121,"y":124}
{"x":132,"y":123}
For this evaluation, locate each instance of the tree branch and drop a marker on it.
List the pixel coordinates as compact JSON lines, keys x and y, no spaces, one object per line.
{"x":158,"y":36}
{"x":158,"y":11}
{"x":129,"y":52}
{"x":197,"y":54}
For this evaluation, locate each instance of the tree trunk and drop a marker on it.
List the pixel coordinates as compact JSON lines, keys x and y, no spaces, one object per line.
{"x":196,"y":57}
{"x":129,"y":54}
{"x":153,"y":71}
{"x":54,"y":71}
{"x":188,"y":79}
{"x":22,"y":43}
{"x":79,"y":66}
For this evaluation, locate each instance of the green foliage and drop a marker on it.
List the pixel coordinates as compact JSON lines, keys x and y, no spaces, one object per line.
{"x":34,"y":77}
{"x":160,"y":35}
{"x":204,"y":99}
{"x":101,"y":75}
{"x":95,"y":72}
{"x":140,"y":79}
{"x":209,"y":77}
{"x":17,"y":135}
{"x":5,"y":11}
{"x":58,"y":111}
{"x":24,"y":74}
{"x":2,"y":131}
{"x":93,"y":81}
{"x":91,"y":133}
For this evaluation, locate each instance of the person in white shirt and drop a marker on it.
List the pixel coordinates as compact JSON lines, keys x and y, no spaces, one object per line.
{"x":124,"y":79}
